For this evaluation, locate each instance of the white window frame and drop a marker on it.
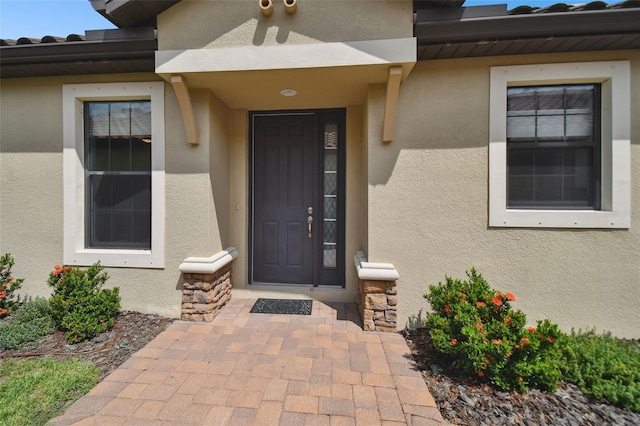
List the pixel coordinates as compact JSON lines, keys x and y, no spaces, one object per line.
{"x":75,"y":250}
{"x":615,"y":192}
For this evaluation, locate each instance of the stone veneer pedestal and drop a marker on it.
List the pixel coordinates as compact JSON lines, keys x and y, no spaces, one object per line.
{"x":203,"y":295}
{"x":377,"y":303}
{"x":378,"y":298}
{"x":207,"y":285}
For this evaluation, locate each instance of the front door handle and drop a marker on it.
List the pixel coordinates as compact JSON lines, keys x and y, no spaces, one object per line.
{"x":310,"y":224}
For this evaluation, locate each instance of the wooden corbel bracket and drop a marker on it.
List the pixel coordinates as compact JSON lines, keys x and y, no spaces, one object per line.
{"x":391,"y":103}
{"x":186,"y":107}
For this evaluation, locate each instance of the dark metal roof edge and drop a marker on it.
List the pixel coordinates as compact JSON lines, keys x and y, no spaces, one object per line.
{"x":434,"y":4}
{"x":76,"y":51}
{"x":514,"y":27}
{"x":132,"y":13}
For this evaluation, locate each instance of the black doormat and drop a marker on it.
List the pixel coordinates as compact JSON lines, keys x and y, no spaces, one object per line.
{"x":282,"y":306}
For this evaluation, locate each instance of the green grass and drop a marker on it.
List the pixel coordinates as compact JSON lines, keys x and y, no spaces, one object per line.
{"x":33,"y":392}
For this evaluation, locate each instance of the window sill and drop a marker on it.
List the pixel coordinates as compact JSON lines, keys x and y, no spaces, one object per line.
{"x":116,"y":258}
{"x":514,"y":218}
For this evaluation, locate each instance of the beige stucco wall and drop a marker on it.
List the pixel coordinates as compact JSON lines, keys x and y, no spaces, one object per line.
{"x":31,"y":190}
{"x":206,"y":188}
{"x":428,"y":206}
{"x":214,"y":24}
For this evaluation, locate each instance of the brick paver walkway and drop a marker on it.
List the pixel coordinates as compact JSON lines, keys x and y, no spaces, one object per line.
{"x":260,"y":369}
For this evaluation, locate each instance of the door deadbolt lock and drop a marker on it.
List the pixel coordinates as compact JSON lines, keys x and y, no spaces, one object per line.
{"x":310,"y":210}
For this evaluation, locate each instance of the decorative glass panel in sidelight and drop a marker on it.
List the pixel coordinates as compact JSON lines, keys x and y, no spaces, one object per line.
{"x":330,"y":222}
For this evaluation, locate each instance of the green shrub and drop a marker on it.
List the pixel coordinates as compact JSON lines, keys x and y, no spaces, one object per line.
{"x":476,"y":326}
{"x":31,"y":322}
{"x":8,"y":286}
{"x":604,"y":367}
{"x":32,"y":392}
{"x":80,"y":306}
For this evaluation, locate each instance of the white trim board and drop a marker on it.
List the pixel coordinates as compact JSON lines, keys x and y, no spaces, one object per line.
{"x":615,"y":80}
{"x":73,"y":98}
{"x":296,"y":56}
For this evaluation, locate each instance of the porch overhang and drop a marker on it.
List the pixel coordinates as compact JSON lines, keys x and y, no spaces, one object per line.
{"x":324,"y":75}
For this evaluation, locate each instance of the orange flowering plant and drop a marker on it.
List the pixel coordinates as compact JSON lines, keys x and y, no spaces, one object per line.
{"x":8,"y":286}
{"x":477,"y":328}
{"x":80,"y":306}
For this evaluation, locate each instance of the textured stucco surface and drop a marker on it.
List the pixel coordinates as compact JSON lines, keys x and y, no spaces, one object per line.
{"x":426,"y":192}
{"x":428,"y":207}
{"x":31,"y":190}
{"x":214,"y":24}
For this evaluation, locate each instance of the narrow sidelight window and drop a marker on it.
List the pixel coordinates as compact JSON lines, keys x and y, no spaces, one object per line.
{"x":330,"y":217}
{"x":553,"y":147}
{"x":118,"y":174}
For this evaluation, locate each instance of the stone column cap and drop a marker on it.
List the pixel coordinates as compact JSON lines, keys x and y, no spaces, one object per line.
{"x":208,"y":265}
{"x":374,"y":271}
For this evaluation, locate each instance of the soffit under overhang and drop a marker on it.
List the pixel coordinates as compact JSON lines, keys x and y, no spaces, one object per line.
{"x":324,"y":75}
{"x":494,"y":31}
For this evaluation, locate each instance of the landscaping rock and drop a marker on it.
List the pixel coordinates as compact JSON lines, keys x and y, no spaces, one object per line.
{"x":108,"y":350}
{"x":465,"y":401}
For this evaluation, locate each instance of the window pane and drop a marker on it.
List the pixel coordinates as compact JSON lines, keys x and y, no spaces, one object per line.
{"x":141,"y":192}
{"x":330,"y":232}
{"x":142,"y":227}
{"x":550,"y":99}
{"x":141,"y":119}
{"x":120,"y":211}
{"x":548,"y":162}
{"x":521,"y":127}
{"x":120,"y":119}
{"x":101,"y":190}
{"x":577,"y":194}
{"x":551,"y":127}
{"x":98,"y":155}
{"x":122,"y":226}
{"x":122,"y":192}
{"x":119,"y":197}
{"x":558,"y":177}
{"x":330,"y":136}
{"x":580,"y":98}
{"x":543,"y":170}
{"x":578,"y":164}
{"x":330,"y":208}
{"x":520,"y":162}
{"x":101,"y":221}
{"x":521,"y":99}
{"x":140,"y":154}
{"x":120,"y":154}
{"x":329,"y":256}
{"x":331,"y":159}
{"x":548,"y":189}
{"x":520,"y":190}
{"x":98,"y":119}
{"x":330,"y":183}
{"x":579,"y":126}
{"x":578,"y":183}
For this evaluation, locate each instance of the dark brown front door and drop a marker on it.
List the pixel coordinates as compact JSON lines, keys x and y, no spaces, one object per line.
{"x":297,"y":232}
{"x":283,"y":193}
